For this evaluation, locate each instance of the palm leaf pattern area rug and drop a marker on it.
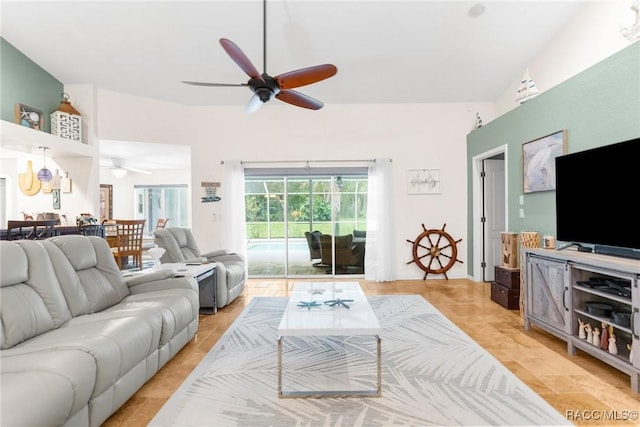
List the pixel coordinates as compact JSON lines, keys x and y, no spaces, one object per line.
{"x":432,"y":374}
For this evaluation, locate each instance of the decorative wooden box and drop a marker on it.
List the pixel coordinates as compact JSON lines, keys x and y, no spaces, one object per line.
{"x":509,"y":257}
{"x":508,"y":298}
{"x":509,"y":278}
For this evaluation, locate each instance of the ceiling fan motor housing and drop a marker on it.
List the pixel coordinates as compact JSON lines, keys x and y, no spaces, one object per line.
{"x":266,"y":88}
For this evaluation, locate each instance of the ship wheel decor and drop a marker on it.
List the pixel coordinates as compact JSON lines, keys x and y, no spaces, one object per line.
{"x":430,"y":246}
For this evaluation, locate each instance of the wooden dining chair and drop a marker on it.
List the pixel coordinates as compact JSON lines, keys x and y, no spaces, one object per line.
{"x":32,"y":230}
{"x":91,"y":230}
{"x":162,"y":223}
{"x":128,"y":242}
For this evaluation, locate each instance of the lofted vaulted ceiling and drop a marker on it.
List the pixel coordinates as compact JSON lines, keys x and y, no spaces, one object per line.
{"x":386,"y":51}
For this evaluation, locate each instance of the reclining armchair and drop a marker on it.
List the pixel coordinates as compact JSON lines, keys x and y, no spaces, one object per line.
{"x":180,"y":246}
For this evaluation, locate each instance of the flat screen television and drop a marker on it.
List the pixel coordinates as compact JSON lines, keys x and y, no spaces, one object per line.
{"x":597,"y":195}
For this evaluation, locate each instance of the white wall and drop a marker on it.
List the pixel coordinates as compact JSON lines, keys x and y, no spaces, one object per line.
{"x":592,"y":35}
{"x":13,"y":163}
{"x":415,"y":136}
{"x":124,"y":192}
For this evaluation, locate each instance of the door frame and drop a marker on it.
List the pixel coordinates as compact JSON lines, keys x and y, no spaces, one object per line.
{"x":476,"y":224}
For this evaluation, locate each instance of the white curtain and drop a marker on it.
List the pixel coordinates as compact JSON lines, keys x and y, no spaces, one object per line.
{"x":380,"y":259}
{"x":234,"y":235}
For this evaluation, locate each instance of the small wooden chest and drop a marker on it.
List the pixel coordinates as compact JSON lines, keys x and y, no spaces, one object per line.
{"x":507,"y":277}
{"x":508,"y":298}
{"x":509,"y":250}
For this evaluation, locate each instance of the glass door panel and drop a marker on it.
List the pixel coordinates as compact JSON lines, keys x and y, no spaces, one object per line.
{"x":299,"y":254}
{"x":349,"y":203}
{"x":294,"y":223}
{"x":264,"y":210}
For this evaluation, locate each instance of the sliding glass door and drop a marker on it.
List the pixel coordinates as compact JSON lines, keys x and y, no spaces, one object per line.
{"x":304,"y":225}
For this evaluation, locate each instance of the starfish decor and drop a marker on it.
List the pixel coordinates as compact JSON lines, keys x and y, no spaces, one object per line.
{"x":309,"y":304}
{"x":338,"y":301}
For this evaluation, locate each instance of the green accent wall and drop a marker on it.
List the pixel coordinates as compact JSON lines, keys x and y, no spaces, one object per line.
{"x":22,"y":81}
{"x":599,"y":106}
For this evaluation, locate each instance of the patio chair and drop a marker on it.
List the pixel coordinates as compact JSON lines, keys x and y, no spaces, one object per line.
{"x":180,"y":246}
{"x":313,"y":241}
{"x":346,"y":254}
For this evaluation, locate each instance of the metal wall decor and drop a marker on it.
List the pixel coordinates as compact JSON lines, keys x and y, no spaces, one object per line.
{"x":424,"y":181}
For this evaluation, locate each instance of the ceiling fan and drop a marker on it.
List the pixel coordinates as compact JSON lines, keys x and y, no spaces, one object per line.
{"x":266,"y":87}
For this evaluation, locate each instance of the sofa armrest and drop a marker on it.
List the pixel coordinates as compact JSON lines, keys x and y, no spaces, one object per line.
{"x":215,"y":253}
{"x":226,"y":257}
{"x":149,"y":277}
{"x":162,"y":284}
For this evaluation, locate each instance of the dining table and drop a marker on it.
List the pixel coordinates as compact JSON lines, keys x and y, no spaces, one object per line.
{"x":59,"y":230}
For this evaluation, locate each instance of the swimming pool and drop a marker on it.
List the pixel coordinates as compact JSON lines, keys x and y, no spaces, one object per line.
{"x":277,"y":245}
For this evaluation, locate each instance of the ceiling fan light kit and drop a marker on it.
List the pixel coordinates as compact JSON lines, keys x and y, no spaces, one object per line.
{"x":119,"y":172}
{"x":266,"y":87}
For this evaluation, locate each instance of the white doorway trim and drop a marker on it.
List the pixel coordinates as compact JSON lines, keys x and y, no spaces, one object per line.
{"x":478,"y":243}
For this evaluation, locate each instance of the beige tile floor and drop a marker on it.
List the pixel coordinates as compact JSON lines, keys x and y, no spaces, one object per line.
{"x":579,"y":384}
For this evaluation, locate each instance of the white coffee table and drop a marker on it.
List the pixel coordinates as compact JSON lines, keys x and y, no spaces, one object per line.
{"x":322,"y":319}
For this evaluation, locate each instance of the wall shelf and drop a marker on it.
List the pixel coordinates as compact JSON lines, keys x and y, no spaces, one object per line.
{"x":23,"y":139}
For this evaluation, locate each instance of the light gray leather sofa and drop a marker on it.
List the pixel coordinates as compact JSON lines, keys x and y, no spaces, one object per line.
{"x":77,"y":340}
{"x":181,"y":246}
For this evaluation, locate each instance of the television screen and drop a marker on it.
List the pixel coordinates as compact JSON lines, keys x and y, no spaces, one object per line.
{"x":597,"y":195}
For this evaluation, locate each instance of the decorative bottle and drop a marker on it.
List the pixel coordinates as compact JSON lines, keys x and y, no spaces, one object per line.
{"x":604,"y":337}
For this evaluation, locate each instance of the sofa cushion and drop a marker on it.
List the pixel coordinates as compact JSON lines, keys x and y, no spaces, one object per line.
{"x":87,"y":272}
{"x":15,"y":257}
{"x":179,"y":244}
{"x":35,"y":303}
{"x":175,"y":307}
{"x":116,"y":344}
{"x":45,"y":388}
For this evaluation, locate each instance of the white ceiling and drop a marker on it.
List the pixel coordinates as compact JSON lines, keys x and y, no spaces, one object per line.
{"x":385,"y":51}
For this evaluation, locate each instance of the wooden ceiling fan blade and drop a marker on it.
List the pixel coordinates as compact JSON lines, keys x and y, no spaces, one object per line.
{"x":214,"y":84}
{"x":298,"y":99}
{"x":240,"y":58}
{"x":305,"y":76}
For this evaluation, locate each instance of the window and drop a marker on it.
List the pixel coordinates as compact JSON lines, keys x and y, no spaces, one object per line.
{"x":162,"y":201}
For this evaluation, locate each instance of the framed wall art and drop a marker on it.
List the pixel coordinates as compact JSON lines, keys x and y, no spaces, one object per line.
{"x":29,"y":117}
{"x":56,"y":198}
{"x":106,"y":202}
{"x":424,"y":181}
{"x":539,"y":161}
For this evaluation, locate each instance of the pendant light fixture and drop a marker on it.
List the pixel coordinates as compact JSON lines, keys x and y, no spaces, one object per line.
{"x":44,"y":174}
